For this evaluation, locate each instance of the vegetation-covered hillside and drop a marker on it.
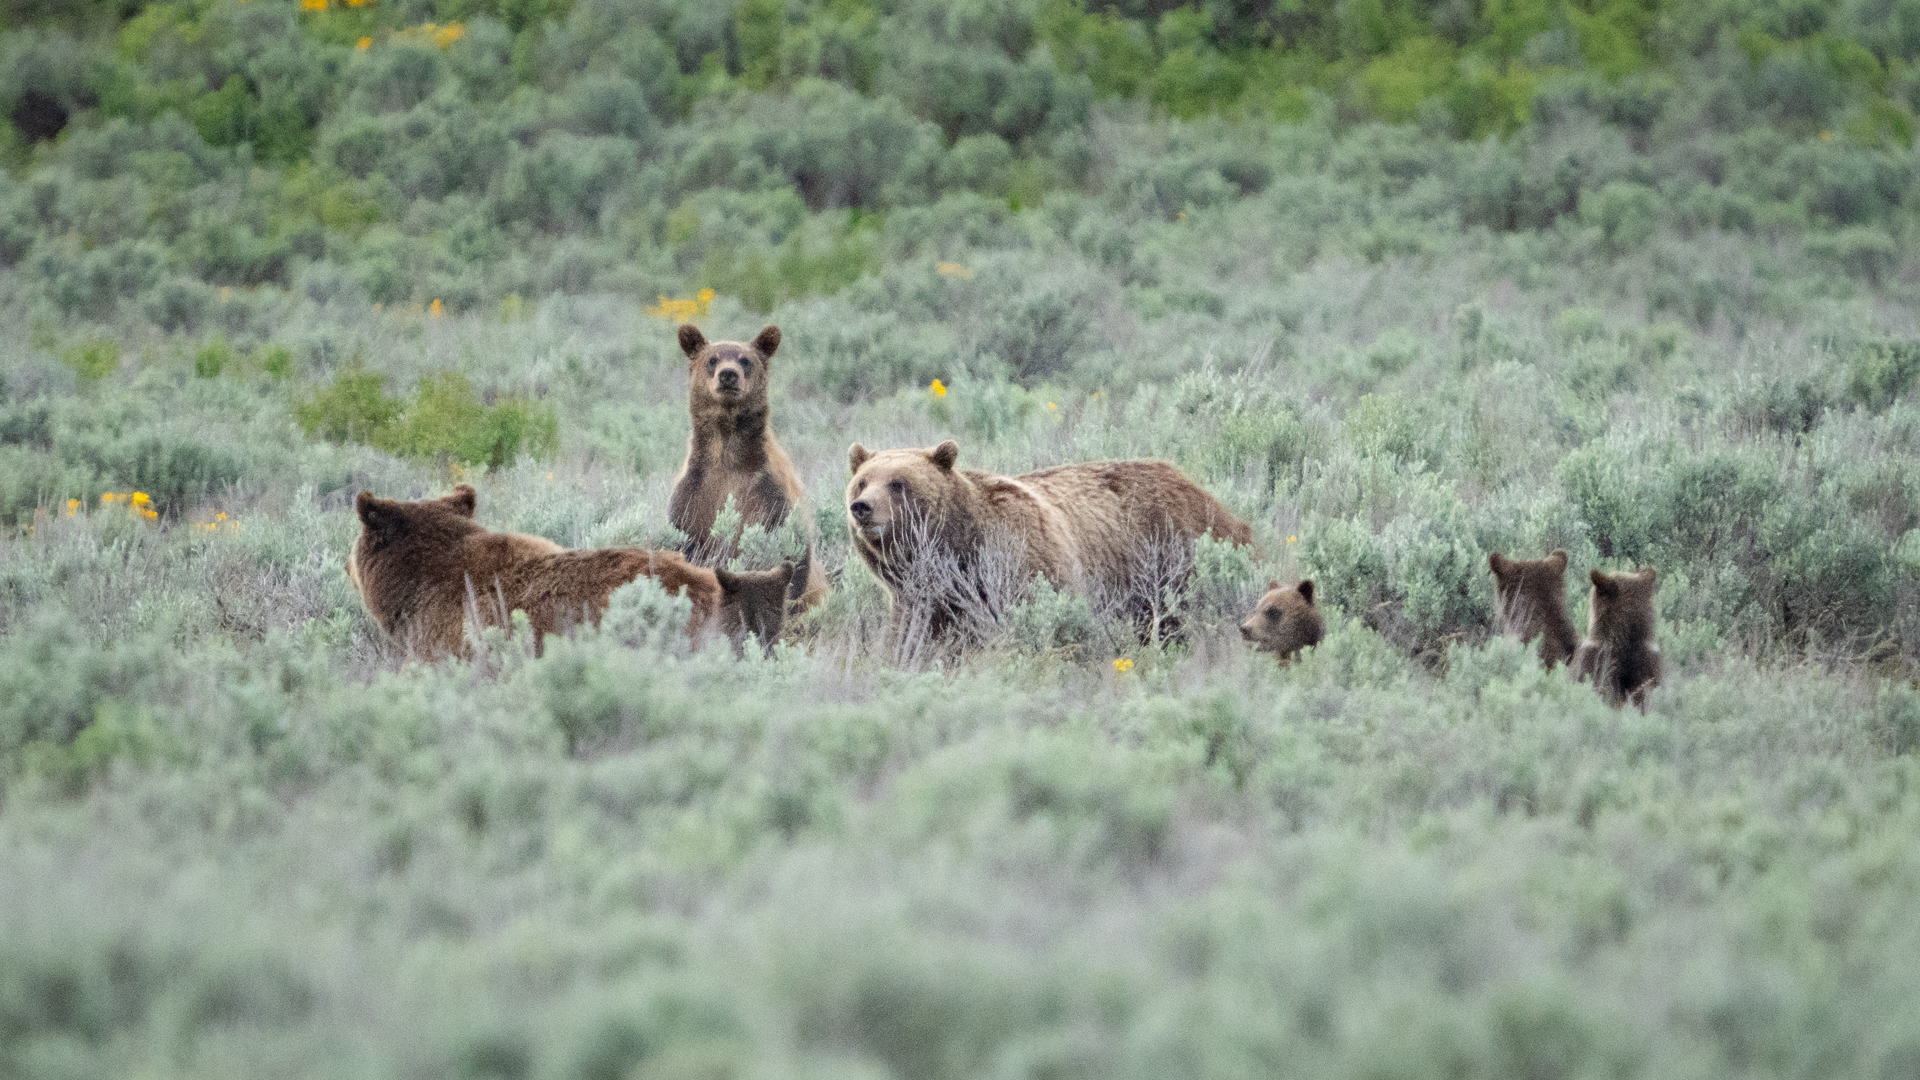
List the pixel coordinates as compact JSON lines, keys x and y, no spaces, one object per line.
{"x":1402,"y":284}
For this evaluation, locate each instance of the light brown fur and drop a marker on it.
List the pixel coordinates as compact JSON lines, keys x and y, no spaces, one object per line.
{"x":1082,"y":526}
{"x":732,"y":452}
{"x":1285,"y":621}
{"x":419,"y":566}
{"x":1619,"y":654}
{"x":1530,"y":600}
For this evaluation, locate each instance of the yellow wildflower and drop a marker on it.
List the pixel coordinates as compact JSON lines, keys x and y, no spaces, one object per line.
{"x":953,"y":269}
{"x":1123,"y":665}
{"x":313,"y":5}
{"x":73,"y":507}
{"x":1181,"y":216}
{"x":682,"y":310}
{"x":1051,"y":407}
{"x":1292,"y":539}
{"x":436,"y":309}
{"x":448,"y":34}
{"x":358,"y":3}
{"x":364,"y":43}
{"x":140,"y":498}
{"x":939,"y":388}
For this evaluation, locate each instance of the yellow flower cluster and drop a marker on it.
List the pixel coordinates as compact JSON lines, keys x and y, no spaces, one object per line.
{"x":137,"y":501}
{"x":436,"y":309}
{"x":321,"y":5}
{"x":682,"y":310}
{"x":1123,"y":665}
{"x":953,"y":269}
{"x":938,"y":388}
{"x":220,"y":520}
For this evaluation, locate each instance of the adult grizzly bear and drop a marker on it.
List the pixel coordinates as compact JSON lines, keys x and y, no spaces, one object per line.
{"x":1530,"y":600}
{"x":1285,"y":621}
{"x":1619,"y":654}
{"x":732,"y":451}
{"x":419,"y":566}
{"x":959,"y":543}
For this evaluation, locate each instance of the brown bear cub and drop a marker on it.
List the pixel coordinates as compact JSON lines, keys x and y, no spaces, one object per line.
{"x":1285,"y":621}
{"x":1530,"y":600}
{"x":951,"y":537}
{"x":756,"y":602}
{"x":420,"y":565}
{"x":732,"y":451}
{"x":1619,"y":655}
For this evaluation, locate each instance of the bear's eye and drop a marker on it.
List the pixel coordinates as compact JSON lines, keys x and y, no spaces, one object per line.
{"x":896,"y":486}
{"x":1273,"y":613}
{"x":746,"y":367}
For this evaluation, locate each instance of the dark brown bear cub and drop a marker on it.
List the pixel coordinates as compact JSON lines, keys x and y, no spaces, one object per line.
{"x":1618,"y":654}
{"x":419,"y":566}
{"x":732,"y":451}
{"x":1530,"y":601}
{"x":1285,"y":621}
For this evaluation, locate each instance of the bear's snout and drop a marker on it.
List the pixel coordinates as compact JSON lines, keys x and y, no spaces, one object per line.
{"x":1246,"y":631}
{"x":729,"y":379}
{"x":861,"y":509}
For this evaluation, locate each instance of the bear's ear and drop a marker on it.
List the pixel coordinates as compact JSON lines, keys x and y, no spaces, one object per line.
{"x":785,"y":571}
{"x":728,"y":583}
{"x":1272,"y":584}
{"x":1602,"y":584}
{"x":1305,"y":589}
{"x":1497,"y":563}
{"x":691,"y":340}
{"x":463,"y":499}
{"x":1649,"y":574}
{"x":945,"y":455}
{"x":373,"y":512}
{"x":767,"y":341}
{"x":856,"y":456}
{"x":1559,"y":560}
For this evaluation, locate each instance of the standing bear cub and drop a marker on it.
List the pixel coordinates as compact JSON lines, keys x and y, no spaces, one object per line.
{"x":955,"y":542}
{"x":1285,"y":621}
{"x":732,"y":452}
{"x":421,"y":566}
{"x":1619,"y":655}
{"x":1530,"y":600}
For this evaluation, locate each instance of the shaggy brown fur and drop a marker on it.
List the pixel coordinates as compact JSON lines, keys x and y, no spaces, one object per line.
{"x":1530,"y":600}
{"x":1619,"y":655}
{"x":1086,"y":527}
{"x":420,"y":565}
{"x":732,"y":451}
{"x":1285,"y":621}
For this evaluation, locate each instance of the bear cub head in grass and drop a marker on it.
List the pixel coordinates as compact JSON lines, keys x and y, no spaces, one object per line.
{"x":1285,"y":621}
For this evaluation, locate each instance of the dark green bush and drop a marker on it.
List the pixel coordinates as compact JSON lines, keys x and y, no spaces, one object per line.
{"x":1878,"y":372}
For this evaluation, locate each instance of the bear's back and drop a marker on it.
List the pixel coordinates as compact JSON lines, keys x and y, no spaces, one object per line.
{"x":1121,"y":511}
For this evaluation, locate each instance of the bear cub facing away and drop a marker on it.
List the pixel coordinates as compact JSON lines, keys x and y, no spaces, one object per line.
{"x":1285,"y":621}
{"x":732,"y":452}
{"x":1619,"y":654}
{"x":1530,"y":600}
{"x":935,"y":533}
{"x":419,"y":567}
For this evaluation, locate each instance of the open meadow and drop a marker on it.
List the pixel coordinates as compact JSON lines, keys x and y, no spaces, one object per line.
{"x":1402,"y":284}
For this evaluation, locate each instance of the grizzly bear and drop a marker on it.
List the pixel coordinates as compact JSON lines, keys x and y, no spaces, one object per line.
{"x":732,"y":451}
{"x":1284,"y":621}
{"x":420,"y":565}
{"x":956,"y":542}
{"x":1530,"y":600}
{"x":1618,"y":654}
